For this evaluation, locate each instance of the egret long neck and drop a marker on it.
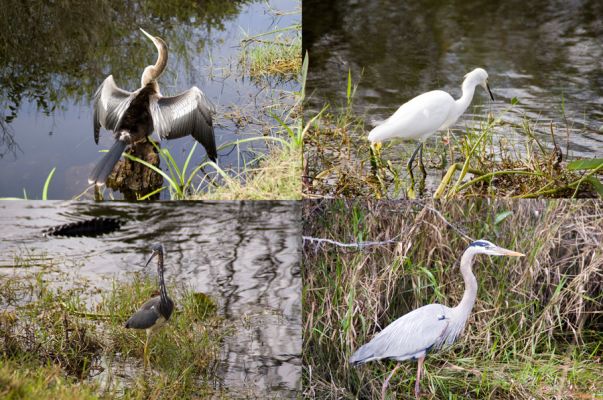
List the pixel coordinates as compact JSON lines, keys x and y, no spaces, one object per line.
{"x":468,"y":300}
{"x":463,"y":103}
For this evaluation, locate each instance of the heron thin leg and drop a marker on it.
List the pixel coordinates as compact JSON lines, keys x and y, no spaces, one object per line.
{"x":419,"y":375}
{"x":386,"y":383}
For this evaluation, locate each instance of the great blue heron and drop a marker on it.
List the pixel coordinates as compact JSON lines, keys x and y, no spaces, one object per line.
{"x":424,"y":115}
{"x":155,"y":312}
{"x":132,"y":116}
{"x":431,"y":326}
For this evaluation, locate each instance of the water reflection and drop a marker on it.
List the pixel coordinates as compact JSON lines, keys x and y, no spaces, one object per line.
{"x":244,"y":255}
{"x":548,"y":54}
{"x":54,"y":56}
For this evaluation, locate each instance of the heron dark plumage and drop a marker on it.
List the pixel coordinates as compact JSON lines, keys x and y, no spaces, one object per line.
{"x":132,"y":116}
{"x":154,"y":313}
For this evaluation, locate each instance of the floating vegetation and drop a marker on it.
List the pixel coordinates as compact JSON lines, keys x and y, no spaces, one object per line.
{"x":274,"y":53}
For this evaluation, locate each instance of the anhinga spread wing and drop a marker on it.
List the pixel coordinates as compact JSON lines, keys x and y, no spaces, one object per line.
{"x":110,"y":103}
{"x":188,"y":113}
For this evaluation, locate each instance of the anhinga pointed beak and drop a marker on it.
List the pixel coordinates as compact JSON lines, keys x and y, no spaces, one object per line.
{"x":489,"y":91}
{"x":148,"y":34}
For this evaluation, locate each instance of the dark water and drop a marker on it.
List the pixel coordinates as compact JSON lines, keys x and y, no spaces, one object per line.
{"x":245,"y":255}
{"x":541,"y":52}
{"x":54,"y":56}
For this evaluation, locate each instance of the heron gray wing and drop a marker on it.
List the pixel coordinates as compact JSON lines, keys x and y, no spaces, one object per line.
{"x":147,"y":316}
{"x":189,"y":113}
{"x":109,"y":103}
{"x":408,"y":336}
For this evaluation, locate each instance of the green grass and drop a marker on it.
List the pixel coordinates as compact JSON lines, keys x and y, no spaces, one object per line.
{"x":28,"y":379}
{"x":478,"y":162}
{"x":55,"y":333}
{"x":535,"y":331}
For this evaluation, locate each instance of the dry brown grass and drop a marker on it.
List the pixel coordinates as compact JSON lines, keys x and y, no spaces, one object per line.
{"x":536,"y":328}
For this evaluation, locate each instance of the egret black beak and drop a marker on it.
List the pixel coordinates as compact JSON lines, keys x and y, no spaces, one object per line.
{"x":489,"y":91}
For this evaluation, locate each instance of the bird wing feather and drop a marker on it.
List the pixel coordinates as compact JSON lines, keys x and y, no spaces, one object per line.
{"x":146,"y":316}
{"x":425,"y":113}
{"x":417,"y":118}
{"x":189,"y":113}
{"x":409,"y":335}
{"x":109,"y":103}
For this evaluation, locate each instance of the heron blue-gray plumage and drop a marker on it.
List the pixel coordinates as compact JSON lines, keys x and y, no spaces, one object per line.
{"x":424,"y":115}
{"x":132,"y":116}
{"x":154,"y":313}
{"x":429,"y":327}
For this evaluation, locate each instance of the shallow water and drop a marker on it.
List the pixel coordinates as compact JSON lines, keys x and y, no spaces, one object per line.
{"x":245,"y":255}
{"x":49,"y":71}
{"x":548,"y":55}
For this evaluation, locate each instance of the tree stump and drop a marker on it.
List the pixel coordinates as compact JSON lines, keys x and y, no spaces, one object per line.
{"x":133,"y":179}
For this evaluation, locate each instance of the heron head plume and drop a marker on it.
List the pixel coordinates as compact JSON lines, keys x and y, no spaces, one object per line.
{"x":152,"y":72}
{"x":485,"y":247}
{"x":156,"y":250}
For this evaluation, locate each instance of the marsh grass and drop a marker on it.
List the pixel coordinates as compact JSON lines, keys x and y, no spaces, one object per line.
{"x":55,"y":329}
{"x":535,"y":330}
{"x":476,"y":162}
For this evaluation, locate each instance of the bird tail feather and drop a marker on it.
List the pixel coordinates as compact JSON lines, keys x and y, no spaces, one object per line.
{"x":103,"y":168}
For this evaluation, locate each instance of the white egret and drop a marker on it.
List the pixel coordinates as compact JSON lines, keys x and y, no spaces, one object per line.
{"x":428,"y":113}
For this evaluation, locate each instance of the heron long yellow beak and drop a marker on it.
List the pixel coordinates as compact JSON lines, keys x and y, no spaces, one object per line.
{"x":511,"y":253}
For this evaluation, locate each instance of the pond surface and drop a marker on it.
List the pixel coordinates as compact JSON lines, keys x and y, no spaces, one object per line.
{"x":548,"y":55}
{"x":245,"y":255}
{"x":52,"y":64}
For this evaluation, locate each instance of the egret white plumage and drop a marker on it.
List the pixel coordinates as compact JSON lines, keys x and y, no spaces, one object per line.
{"x":424,"y":115}
{"x":429,"y":327}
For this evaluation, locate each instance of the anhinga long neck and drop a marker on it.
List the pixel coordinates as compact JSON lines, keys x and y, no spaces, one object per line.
{"x":468,"y":300}
{"x":152,"y":72}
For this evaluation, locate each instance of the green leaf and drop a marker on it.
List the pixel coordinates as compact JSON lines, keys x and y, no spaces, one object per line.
{"x":47,"y":183}
{"x":500,"y":217}
{"x":594,"y":163}
{"x":596,"y":184}
{"x":349,"y":90}
{"x":514,"y":101}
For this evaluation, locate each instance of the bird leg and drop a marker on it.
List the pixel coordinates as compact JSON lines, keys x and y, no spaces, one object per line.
{"x":410,"y":161}
{"x":375,"y":149}
{"x":386,"y":383}
{"x":419,"y":375}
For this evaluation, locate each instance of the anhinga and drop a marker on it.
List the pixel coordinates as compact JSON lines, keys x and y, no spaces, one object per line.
{"x":132,"y":116}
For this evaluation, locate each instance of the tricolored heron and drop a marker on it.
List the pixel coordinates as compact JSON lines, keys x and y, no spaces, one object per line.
{"x":155,"y":312}
{"x":431,"y":326}
{"x":132,"y":116}
{"x":424,"y":115}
